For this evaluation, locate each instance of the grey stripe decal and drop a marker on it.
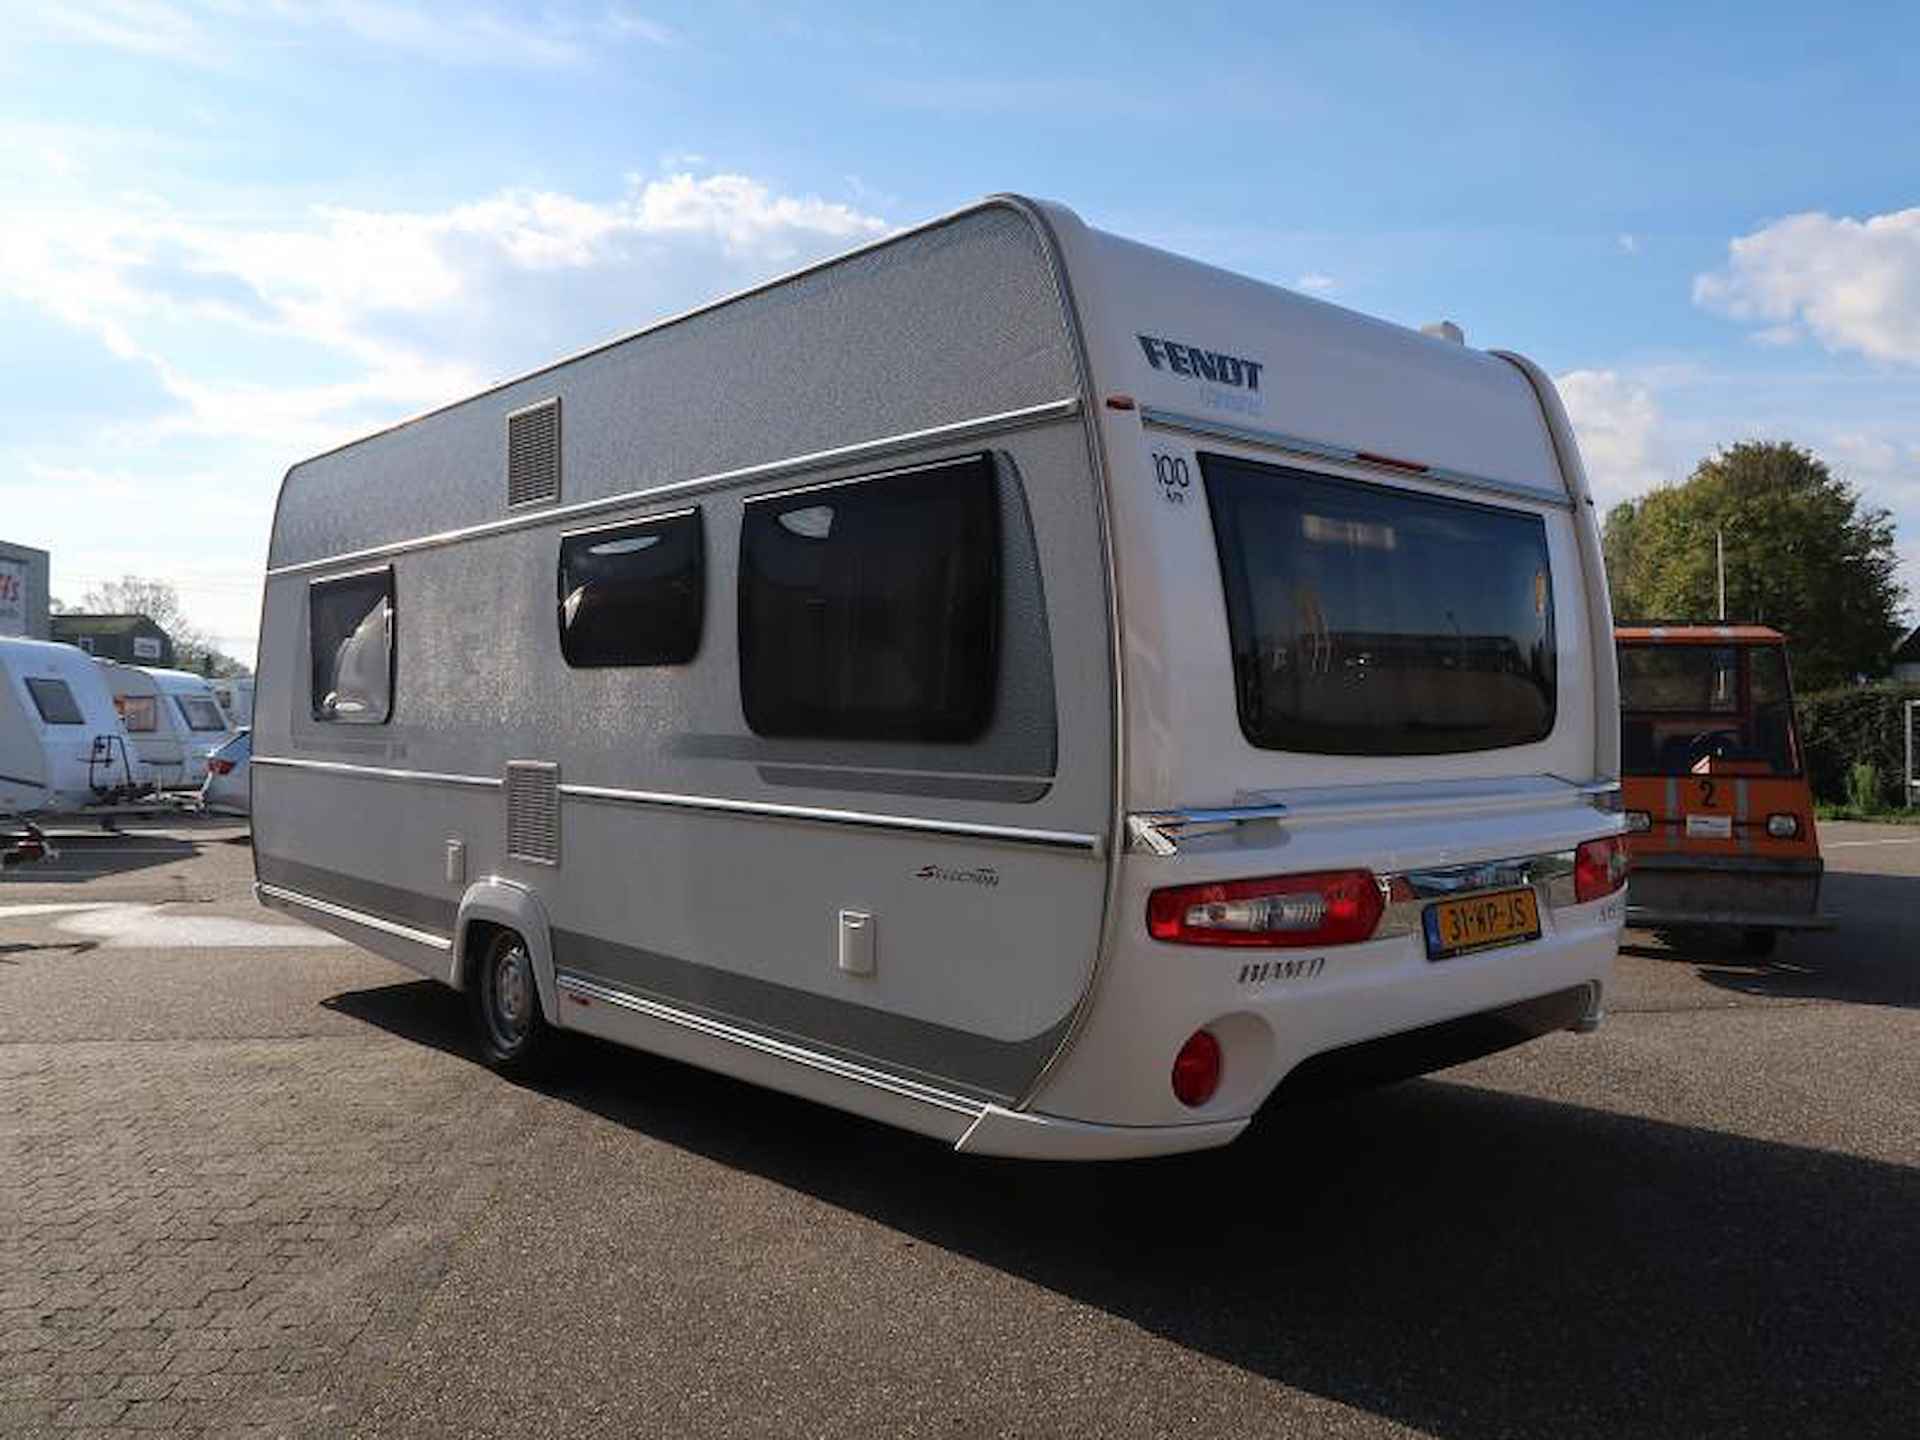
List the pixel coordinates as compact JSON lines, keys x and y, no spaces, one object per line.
{"x":1674,"y":825}
{"x":883,"y":782}
{"x":386,"y":902}
{"x":920,"y":1050}
{"x":916,"y":1049}
{"x":1740,"y":814}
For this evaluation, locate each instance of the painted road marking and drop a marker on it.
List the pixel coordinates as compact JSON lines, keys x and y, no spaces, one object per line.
{"x":1848,"y":844}
{"x":122,"y":925}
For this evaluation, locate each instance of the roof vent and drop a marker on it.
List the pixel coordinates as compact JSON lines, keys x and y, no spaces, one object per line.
{"x":533,"y":454}
{"x":1445,"y":330}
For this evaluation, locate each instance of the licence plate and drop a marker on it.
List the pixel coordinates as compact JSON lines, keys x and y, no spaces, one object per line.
{"x":1481,"y":922}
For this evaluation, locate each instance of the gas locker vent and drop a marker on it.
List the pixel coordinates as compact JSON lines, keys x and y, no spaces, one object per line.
{"x":533,"y":811}
{"x":533,"y":454}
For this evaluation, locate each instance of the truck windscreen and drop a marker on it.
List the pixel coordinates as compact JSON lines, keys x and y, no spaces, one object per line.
{"x":1684,"y":707}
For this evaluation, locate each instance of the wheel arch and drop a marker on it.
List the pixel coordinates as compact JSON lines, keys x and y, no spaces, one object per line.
{"x":492,"y":904}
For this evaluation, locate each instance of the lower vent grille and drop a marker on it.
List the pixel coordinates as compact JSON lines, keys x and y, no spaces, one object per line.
{"x":533,"y":811}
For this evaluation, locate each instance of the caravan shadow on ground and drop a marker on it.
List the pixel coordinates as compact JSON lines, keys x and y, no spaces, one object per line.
{"x":82,"y":858}
{"x":1467,"y":1262}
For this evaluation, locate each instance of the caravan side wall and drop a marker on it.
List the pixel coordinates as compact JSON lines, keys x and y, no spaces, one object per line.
{"x":692,"y":870}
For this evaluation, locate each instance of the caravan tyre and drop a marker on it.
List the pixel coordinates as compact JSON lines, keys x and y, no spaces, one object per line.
{"x":514,"y":1035}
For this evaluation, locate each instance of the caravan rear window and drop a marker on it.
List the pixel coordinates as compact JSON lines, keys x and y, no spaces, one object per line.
{"x":1367,"y":620}
{"x":138,"y":713}
{"x":54,"y":701}
{"x":870,"y":609}
{"x":350,"y":632}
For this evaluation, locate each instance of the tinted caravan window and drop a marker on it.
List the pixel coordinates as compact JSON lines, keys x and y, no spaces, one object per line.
{"x":632,"y":594}
{"x":200,"y":713}
{"x":138,"y":712}
{"x":350,"y":630}
{"x":870,"y":609}
{"x":55,"y":702}
{"x":1372,"y":621}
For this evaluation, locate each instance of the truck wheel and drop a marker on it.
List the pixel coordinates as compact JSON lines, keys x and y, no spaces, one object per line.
{"x":514,"y":1035}
{"x":1758,"y":942}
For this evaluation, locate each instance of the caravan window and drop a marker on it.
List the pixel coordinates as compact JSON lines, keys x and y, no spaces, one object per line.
{"x":870,"y":609}
{"x":138,"y":712}
{"x":200,"y":713}
{"x":632,"y":594}
{"x":55,"y":702}
{"x":1370,"y":620}
{"x":350,"y":631}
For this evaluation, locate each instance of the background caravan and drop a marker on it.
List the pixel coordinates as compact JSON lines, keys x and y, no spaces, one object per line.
{"x":1007,"y":681}
{"x":62,"y":748}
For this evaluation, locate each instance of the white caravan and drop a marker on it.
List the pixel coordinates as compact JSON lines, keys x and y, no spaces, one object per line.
{"x":159,"y":734}
{"x":1008,"y":681}
{"x":198,"y":711}
{"x":63,"y":750}
{"x":235,"y":694}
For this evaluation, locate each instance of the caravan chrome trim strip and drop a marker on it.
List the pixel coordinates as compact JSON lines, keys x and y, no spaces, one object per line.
{"x":958,"y":430}
{"x":357,"y":917}
{"x":796,"y":1054}
{"x":379,"y":772}
{"x":1346,"y":455}
{"x":718,"y":804}
{"x":1010,"y":834}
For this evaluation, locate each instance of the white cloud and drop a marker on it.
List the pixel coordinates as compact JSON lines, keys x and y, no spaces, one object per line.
{"x":1314,"y":283}
{"x":144,"y":27}
{"x":270,"y":342}
{"x":1629,"y":245}
{"x":418,"y":306}
{"x":1851,"y":284}
{"x":1617,"y":421}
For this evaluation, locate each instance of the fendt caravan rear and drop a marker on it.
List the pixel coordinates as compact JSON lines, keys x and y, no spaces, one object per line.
{"x":1006,"y":681}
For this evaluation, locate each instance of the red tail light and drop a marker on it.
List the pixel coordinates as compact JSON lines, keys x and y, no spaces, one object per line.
{"x":1599,"y":868}
{"x":1196,"y":1069}
{"x":1328,"y":907}
{"x":219,"y":766}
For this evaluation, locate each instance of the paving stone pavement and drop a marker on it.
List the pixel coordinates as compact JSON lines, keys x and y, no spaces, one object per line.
{"x":215,"y":1237}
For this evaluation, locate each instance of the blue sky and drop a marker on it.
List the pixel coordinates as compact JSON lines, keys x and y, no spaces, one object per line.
{"x":237,"y":231}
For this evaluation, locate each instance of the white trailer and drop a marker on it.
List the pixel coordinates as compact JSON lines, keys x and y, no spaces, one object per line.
{"x":63,"y":750}
{"x":235,"y":694}
{"x":197,"y":710}
{"x":1008,"y":681}
{"x":158,"y":734}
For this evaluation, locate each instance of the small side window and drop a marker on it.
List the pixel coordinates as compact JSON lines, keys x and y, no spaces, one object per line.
{"x":55,"y":702}
{"x":633,"y":594}
{"x":350,"y":630}
{"x":870,"y":610}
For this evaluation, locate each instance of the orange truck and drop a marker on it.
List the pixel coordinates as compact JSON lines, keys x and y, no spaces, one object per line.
{"x":1719,"y":811}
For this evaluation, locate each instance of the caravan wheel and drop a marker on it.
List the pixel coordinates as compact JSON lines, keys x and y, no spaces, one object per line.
{"x":514,"y":1036}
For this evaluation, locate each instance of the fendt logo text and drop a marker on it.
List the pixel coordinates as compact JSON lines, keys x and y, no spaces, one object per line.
{"x":1198,"y":364}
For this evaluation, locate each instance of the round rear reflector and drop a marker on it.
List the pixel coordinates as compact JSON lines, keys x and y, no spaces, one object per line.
{"x":1196,"y":1069}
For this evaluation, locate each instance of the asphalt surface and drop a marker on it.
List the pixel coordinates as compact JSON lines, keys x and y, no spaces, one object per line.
{"x":251,"y":1182}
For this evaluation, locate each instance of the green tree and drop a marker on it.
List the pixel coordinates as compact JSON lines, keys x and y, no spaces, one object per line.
{"x":1803,"y":555}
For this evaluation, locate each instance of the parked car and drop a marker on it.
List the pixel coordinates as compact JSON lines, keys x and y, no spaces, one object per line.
{"x":226,"y":787}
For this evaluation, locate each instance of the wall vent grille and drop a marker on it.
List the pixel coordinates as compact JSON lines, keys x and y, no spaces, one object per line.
{"x":533,"y":811}
{"x":533,"y":454}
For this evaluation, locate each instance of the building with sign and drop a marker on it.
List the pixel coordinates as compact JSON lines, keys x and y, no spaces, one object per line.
{"x":130,"y":639}
{"x":23,"y":591}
